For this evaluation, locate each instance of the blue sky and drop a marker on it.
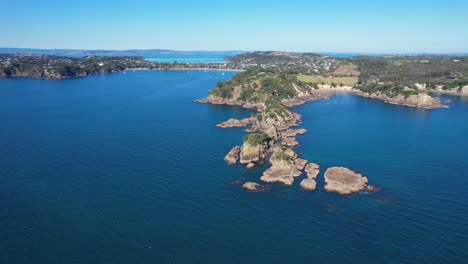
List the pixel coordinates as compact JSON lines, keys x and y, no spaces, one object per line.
{"x":321,"y":26}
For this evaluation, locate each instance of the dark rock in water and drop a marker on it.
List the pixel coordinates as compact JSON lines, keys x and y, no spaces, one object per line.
{"x":372,"y":188}
{"x":233,"y":156}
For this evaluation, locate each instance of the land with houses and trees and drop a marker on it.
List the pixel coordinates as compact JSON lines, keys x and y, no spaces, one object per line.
{"x":272,"y":82}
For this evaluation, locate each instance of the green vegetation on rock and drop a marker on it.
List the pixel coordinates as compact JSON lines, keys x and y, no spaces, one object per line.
{"x":408,"y":70}
{"x":255,"y":138}
{"x":390,"y":90}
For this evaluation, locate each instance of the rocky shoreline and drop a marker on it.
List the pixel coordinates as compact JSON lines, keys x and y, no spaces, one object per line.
{"x":278,"y":138}
{"x":276,"y":143}
{"x":423,"y":101}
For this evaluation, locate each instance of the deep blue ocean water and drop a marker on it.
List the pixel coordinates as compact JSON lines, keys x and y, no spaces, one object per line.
{"x":125,"y":168}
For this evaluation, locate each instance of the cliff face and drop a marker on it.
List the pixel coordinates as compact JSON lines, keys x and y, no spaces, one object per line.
{"x":253,"y":153}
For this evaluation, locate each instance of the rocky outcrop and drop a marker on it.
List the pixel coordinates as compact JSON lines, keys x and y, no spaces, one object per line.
{"x":312,"y":170}
{"x":290,"y":142}
{"x":293,"y":132}
{"x":345,"y":181}
{"x":283,"y":169}
{"x":308,"y":184}
{"x":252,"y":154}
{"x":231,"y":101}
{"x":281,"y":174}
{"x":233,"y":156}
{"x":253,"y":186}
{"x":421,"y":100}
{"x":279,"y":123}
{"x":300,"y":163}
{"x":235,"y":123}
{"x":219,"y":101}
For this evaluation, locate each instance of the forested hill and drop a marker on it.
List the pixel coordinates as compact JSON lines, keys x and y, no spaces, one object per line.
{"x":57,"y":67}
{"x":390,"y":74}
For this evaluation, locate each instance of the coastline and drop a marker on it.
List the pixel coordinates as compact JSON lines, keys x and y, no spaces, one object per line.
{"x":105,"y":73}
{"x":185,"y":69}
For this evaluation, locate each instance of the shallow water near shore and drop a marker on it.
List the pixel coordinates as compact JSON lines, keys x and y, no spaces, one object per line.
{"x":125,"y":168}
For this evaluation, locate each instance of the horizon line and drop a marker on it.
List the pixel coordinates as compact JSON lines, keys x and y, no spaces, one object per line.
{"x":243,"y":51}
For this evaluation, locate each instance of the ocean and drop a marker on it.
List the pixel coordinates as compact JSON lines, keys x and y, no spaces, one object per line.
{"x":126,"y":168}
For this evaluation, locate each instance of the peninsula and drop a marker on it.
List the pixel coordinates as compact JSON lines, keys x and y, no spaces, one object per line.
{"x":275,"y":81}
{"x":57,"y":67}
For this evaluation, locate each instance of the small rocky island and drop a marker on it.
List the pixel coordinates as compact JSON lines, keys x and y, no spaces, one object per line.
{"x":345,"y":181}
{"x":275,"y":81}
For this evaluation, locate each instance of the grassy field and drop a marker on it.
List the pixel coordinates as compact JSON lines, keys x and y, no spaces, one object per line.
{"x":345,"y":69}
{"x":349,"y":81}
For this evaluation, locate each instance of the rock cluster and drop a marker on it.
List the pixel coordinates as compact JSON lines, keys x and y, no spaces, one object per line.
{"x":290,"y":142}
{"x":283,"y":168}
{"x":281,"y":173}
{"x":235,"y":123}
{"x":276,"y":145}
{"x":312,"y":170}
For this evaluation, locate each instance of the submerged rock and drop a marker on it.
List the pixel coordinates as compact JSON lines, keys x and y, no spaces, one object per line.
{"x":253,"y":186}
{"x":250,"y":165}
{"x":344,"y":181}
{"x":372,"y":188}
{"x":233,"y":156}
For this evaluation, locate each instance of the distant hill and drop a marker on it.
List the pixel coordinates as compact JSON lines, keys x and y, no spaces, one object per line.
{"x":83,"y":53}
{"x":273,"y":57}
